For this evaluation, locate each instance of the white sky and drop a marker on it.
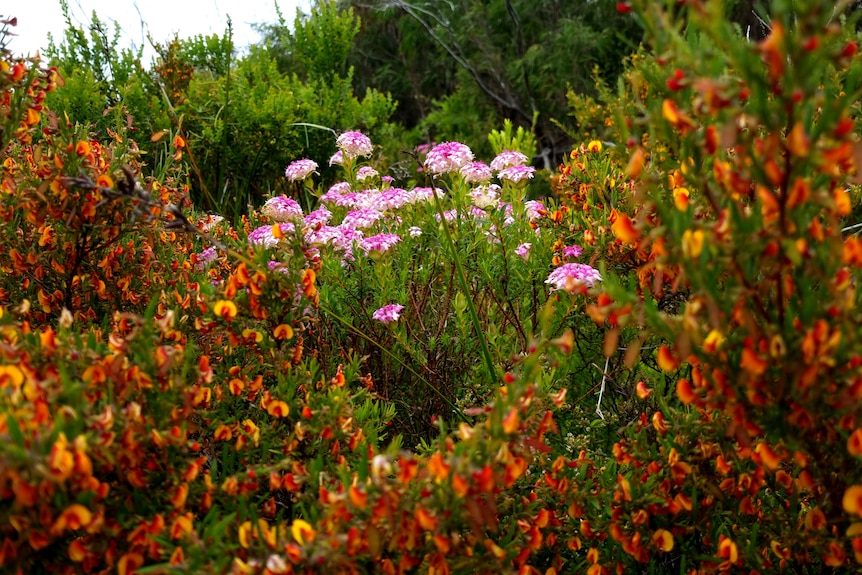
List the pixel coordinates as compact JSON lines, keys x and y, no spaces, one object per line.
{"x":36,"y":18}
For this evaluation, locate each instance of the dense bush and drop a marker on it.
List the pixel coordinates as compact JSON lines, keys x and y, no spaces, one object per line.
{"x":655,"y":370}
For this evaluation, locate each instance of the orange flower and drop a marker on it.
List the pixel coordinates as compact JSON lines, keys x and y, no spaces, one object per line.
{"x":515,"y":470}
{"x":815,"y":520}
{"x":223,"y":433}
{"x":685,"y":393}
{"x":675,"y":117}
{"x":225,"y":309}
{"x":438,"y":468}
{"x":727,"y":549}
{"x":82,"y":148}
{"x":663,"y":539}
{"x":713,"y":341}
{"x":751,"y":363}
{"x":854,"y":443}
{"x":129,"y":563}
{"x":179,"y":498}
{"x":666,"y":361}
{"x":636,"y":164}
{"x":852,"y":500}
{"x":624,"y":229}
{"x":278,"y":409}
{"x":799,"y":193}
{"x":75,"y":517}
{"x":426,"y":521}
{"x":721,"y":465}
{"x":283,"y":331}
{"x":11,"y":375}
{"x":642,"y":390}
{"x":512,"y":421}
{"x":308,"y":278}
{"x":692,"y":243}
{"x":658,"y":422}
{"x":33,"y":117}
{"x":302,"y":532}
{"x":680,"y":198}
{"x":77,"y":551}
{"x":181,"y":526}
{"x":357,"y":497}
{"x":798,"y":142}
{"x":105,"y":181}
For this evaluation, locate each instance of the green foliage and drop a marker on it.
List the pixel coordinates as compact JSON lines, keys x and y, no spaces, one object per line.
{"x":508,"y":138}
{"x":459,"y":69}
{"x":321,"y":42}
{"x":101,"y":75}
{"x":244,"y":128}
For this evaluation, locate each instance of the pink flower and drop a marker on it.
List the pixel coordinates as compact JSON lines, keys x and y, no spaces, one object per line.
{"x":366,"y":172}
{"x":335,"y":192}
{"x":300,"y":169}
{"x":415,"y":231}
{"x":205,"y":258}
{"x":570,"y":277}
{"x":476,"y":172}
{"x":319,"y":216}
{"x":516,"y":174}
{"x":523,"y":250}
{"x":361,"y":219}
{"x":535,"y":209}
{"x":336,"y":159}
{"x":354,"y":144}
{"x":448,"y":157}
{"x":508,"y":158}
{"x":210,"y":222}
{"x":572,"y":251}
{"x":391,"y":199}
{"x":282,"y":209}
{"x":263,"y":235}
{"x":425,"y":194}
{"x":388,"y":313}
{"x":485,"y":196}
{"x":340,"y":237}
{"x":379,"y":243}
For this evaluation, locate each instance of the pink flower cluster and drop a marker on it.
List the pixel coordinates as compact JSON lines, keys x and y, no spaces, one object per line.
{"x":205,"y":258}
{"x":476,"y":173}
{"x":570,"y":277}
{"x":516,"y":174}
{"x":379,"y":243}
{"x":263,"y":235}
{"x":388,"y":313}
{"x":572,"y":251}
{"x":366,"y":173}
{"x":353,"y":145}
{"x":508,"y":158}
{"x":319,"y":216}
{"x":362,"y":218}
{"x":300,"y":169}
{"x":447,"y":157}
{"x":282,"y":209}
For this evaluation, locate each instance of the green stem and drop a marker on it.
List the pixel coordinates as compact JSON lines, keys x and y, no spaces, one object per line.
{"x":462,"y":279}
{"x":371,"y":340}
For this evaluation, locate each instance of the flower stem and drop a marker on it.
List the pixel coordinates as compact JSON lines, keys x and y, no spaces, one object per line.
{"x":462,"y":279}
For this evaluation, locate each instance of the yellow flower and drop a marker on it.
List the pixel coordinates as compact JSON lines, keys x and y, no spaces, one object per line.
{"x":594,"y":146}
{"x":692,"y":243}
{"x":302,"y":532}
{"x":225,"y":308}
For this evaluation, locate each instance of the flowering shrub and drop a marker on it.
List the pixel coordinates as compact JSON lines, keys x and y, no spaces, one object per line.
{"x":387,"y":379}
